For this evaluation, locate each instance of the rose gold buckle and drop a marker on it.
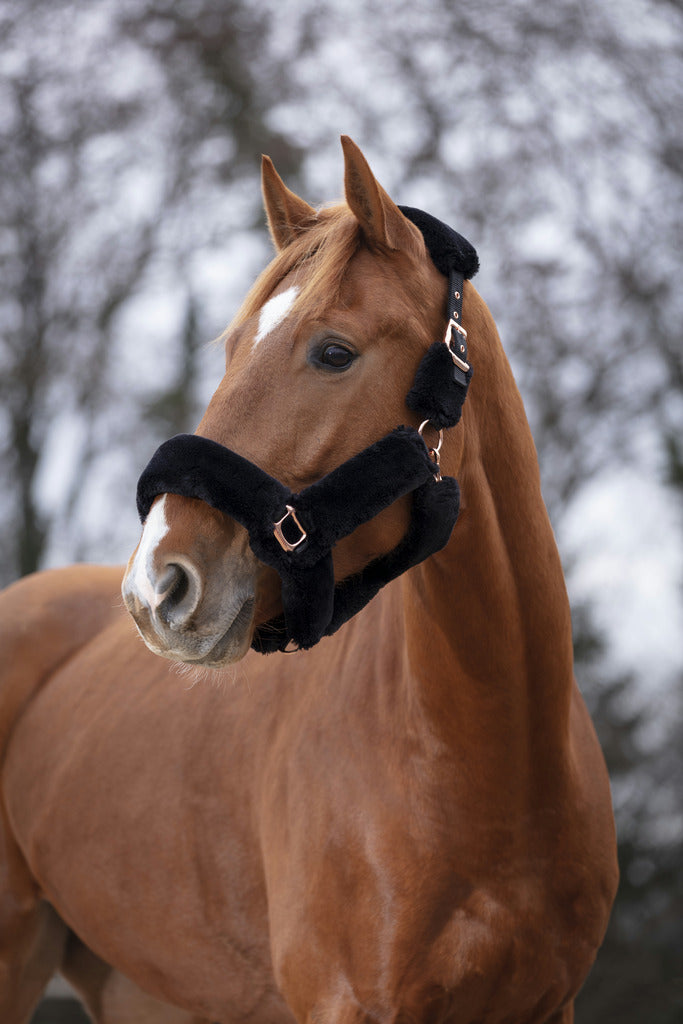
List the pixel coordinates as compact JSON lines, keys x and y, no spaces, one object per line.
{"x":453,"y":326}
{"x":285,"y":544}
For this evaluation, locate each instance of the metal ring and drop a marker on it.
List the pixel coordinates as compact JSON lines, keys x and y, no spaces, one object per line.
{"x":434,"y":452}
{"x":424,"y":423}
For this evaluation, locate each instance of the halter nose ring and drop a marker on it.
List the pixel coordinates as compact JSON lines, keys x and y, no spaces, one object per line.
{"x":284,"y":542}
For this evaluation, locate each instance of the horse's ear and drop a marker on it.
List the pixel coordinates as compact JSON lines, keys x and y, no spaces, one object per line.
{"x":382,"y":222}
{"x":287,"y":215}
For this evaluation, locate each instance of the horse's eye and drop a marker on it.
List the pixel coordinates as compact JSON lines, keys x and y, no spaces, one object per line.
{"x":335,"y":356}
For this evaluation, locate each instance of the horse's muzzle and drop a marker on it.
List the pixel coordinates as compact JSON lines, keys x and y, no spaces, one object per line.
{"x":197,"y":607}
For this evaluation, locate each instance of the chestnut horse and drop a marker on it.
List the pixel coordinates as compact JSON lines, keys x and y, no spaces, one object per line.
{"x":409,"y":821}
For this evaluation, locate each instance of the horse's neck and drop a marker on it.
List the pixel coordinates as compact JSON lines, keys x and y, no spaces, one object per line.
{"x":487,"y":620}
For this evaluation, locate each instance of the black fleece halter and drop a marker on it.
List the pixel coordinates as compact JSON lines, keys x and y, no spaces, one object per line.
{"x":295,"y":533}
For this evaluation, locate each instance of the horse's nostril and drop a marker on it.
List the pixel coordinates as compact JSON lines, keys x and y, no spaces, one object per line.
{"x":179,"y":593}
{"x":179,"y":585}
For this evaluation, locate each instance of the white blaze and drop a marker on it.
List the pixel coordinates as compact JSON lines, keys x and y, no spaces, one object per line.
{"x":155,"y":528}
{"x":274,"y":312}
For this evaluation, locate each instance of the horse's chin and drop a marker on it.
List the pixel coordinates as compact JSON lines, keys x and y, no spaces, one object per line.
{"x":224,"y":646}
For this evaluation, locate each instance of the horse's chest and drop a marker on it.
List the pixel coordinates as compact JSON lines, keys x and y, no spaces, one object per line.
{"x":414,"y":941}
{"x":478,"y":978}
{"x":380,"y":897}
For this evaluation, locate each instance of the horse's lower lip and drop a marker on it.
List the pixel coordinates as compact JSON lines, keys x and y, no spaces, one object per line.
{"x":233,"y":636}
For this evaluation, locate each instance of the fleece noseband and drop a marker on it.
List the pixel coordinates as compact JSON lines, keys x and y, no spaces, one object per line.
{"x":295,"y":533}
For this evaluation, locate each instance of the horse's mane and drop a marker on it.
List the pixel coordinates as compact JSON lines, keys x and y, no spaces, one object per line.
{"x":327,"y":246}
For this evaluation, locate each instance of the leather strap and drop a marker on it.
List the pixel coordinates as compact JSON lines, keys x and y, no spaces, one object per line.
{"x":458,"y":344}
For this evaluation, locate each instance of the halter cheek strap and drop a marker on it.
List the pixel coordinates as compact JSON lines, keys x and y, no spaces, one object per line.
{"x":294,"y":533}
{"x":443,"y":376}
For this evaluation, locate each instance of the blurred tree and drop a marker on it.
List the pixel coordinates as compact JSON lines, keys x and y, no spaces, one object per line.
{"x":221,"y":76}
{"x":69,"y":259}
{"x":104,"y":191}
{"x":639,"y":972}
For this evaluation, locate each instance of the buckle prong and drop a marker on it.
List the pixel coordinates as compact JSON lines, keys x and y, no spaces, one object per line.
{"x":285,"y":544}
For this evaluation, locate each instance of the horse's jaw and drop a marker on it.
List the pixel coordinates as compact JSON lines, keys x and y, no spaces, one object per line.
{"x":193,"y":606}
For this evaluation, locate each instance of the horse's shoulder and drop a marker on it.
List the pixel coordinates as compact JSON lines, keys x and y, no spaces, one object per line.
{"x":44,"y":619}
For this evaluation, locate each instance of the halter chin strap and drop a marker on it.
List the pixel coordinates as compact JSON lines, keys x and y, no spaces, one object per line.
{"x":294,"y":533}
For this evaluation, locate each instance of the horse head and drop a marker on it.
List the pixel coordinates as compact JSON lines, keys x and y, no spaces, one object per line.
{"x":319,"y":361}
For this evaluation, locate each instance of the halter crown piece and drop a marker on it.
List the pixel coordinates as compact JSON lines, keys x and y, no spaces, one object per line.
{"x":295,"y":533}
